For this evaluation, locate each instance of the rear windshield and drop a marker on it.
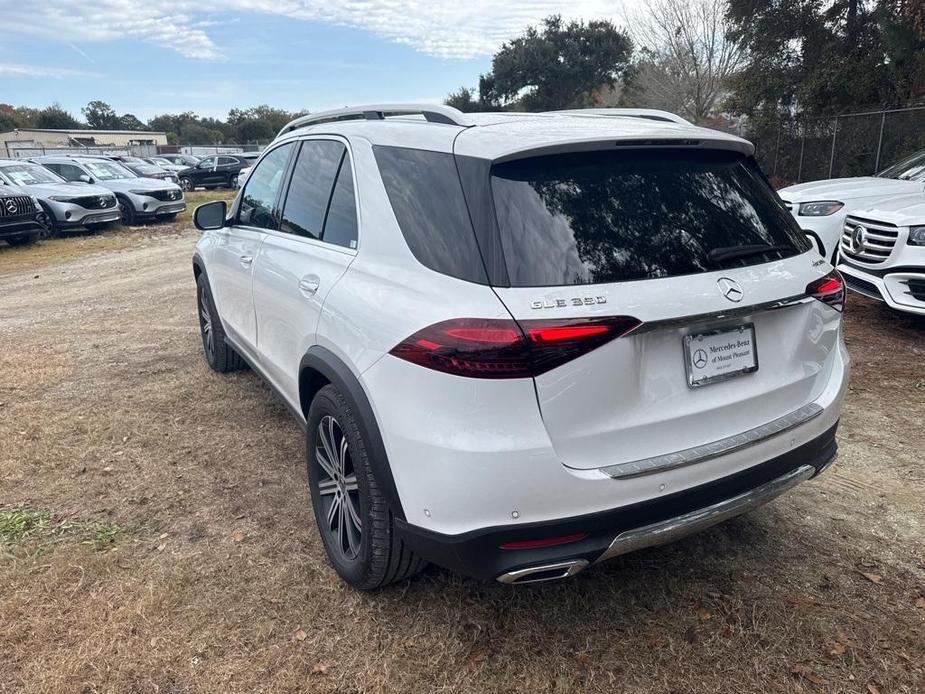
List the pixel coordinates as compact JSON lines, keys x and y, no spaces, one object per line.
{"x":600,"y":217}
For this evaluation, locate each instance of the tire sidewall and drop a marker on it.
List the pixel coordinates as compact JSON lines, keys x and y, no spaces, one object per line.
{"x":204,"y":294}
{"x":329,"y":401}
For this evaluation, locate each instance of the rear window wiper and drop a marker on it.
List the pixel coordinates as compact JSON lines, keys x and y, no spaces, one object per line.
{"x":718,"y":255}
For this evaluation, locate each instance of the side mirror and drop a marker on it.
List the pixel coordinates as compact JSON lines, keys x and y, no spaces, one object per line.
{"x":85,"y":178}
{"x":211,"y":215}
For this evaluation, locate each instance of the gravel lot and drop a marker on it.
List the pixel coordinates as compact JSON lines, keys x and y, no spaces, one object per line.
{"x":156,"y":534}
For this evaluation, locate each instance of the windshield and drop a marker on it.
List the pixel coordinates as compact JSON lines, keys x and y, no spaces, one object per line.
{"x":598,"y":217}
{"x":160,"y":162}
{"x":108,"y":170}
{"x":148,"y":169}
{"x":909,"y":169}
{"x":28,"y":174}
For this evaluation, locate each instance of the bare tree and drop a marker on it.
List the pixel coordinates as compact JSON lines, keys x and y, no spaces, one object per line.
{"x":686,"y":57}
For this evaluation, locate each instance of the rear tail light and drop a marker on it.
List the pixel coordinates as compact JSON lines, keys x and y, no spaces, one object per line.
{"x":504,"y":348}
{"x":829,"y":290}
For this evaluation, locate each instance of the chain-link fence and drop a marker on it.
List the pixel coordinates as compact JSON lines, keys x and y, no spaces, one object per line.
{"x":851,"y":144}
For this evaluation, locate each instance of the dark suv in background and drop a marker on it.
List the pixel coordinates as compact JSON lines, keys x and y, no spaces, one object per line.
{"x":216,"y":171}
{"x":21,"y":216}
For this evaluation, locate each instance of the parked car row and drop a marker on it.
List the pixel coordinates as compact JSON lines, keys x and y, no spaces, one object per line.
{"x":872,"y":228}
{"x":52,"y":194}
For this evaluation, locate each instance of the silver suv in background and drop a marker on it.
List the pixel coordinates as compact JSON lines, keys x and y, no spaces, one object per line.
{"x":66,"y":205}
{"x":139,"y":198}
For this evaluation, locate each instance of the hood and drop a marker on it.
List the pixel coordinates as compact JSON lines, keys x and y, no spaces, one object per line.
{"x":46,"y":190}
{"x":905,"y":210}
{"x":845,"y":189}
{"x":7,"y":191}
{"x":123,"y":185}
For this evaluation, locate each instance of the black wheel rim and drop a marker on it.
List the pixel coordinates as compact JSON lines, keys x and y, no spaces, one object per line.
{"x":205,"y":325}
{"x":123,"y":212}
{"x":338,"y":490}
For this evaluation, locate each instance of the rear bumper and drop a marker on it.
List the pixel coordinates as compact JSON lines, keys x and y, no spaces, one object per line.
{"x":619,"y":530}
{"x":889,"y":286}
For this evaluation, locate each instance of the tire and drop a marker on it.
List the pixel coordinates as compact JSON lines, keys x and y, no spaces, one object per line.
{"x":169,"y":217}
{"x":186,"y":184}
{"x":24,"y":240}
{"x":51,"y":224}
{"x":219,"y":355}
{"x":359,"y":538}
{"x":96,"y":228}
{"x":127,"y":211}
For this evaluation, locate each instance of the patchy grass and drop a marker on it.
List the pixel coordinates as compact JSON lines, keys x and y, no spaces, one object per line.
{"x":18,"y":523}
{"x":35,"y":531}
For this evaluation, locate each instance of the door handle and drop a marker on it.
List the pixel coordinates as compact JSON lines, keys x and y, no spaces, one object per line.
{"x":309,"y":284}
{"x":246,"y":260}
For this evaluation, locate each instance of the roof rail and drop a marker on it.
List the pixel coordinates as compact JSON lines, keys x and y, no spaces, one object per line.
{"x":648,"y":113}
{"x":432,"y":113}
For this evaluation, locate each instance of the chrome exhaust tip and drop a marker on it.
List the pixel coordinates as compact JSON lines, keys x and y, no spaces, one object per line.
{"x":544,"y":572}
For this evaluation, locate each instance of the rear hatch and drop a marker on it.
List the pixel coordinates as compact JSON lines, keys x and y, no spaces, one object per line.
{"x":693,"y":245}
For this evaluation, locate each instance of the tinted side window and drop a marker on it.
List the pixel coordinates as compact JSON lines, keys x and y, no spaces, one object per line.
{"x":310,"y":189}
{"x":56,"y":168}
{"x":258,"y":200}
{"x":428,"y":203}
{"x":340,"y":226}
{"x":207,"y":163}
{"x":71,"y":172}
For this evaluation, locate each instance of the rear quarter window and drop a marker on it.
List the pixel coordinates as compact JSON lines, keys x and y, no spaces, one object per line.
{"x":427,"y":199}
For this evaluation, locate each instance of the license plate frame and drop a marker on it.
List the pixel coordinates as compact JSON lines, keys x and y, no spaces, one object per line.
{"x":697,"y":346}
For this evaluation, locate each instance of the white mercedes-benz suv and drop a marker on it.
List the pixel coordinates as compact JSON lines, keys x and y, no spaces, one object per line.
{"x":820,"y":207}
{"x":883,"y":253}
{"x":520,"y":344}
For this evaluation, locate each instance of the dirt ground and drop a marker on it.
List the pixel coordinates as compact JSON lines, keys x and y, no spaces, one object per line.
{"x":156,"y":533}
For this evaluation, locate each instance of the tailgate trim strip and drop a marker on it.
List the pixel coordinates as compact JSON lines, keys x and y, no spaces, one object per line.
{"x":737,"y":312}
{"x":698,"y":454}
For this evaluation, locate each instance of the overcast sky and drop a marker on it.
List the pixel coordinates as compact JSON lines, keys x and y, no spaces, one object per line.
{"x":154,"y":56}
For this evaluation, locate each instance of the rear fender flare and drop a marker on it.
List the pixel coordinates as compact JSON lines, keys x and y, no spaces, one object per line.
{"x":324,"y":362}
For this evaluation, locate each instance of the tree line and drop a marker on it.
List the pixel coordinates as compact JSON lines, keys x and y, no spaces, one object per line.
{"x":249,"y":125}
{"x":763,"y":59}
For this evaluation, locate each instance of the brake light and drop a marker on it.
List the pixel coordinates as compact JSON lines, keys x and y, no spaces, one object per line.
{"x":829,"y":290}
{"x":505,"y":348}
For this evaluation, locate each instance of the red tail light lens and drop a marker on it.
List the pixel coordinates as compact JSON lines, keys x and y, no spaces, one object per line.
{"x":829,"y":290}
{"x":503,"y":348}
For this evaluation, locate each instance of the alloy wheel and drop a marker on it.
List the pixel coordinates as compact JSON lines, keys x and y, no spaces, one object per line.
{"x":338,"y":490}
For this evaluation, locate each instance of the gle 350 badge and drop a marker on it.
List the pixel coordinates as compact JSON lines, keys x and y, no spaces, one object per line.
{"x":573,"y":301}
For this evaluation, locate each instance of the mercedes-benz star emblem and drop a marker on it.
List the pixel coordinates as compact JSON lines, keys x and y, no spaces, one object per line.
{"x":700,"y":359}
{"x":102,"y":201}
{"x":10,"y":205}
{"x":858,"y":238}
{"x":730,"y":289}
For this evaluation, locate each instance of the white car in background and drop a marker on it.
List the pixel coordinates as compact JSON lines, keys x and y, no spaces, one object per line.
{"x":820,"y":207}
{"x":883,"y":253}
